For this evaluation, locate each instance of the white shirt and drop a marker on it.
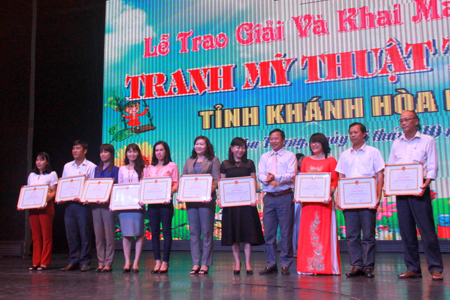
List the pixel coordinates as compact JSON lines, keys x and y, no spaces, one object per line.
{"x":286,"y":170}
{"x":50,"y":179}
{"x":421,"y":148}
{"x":367,"y":161}
{"x":86,"y":168}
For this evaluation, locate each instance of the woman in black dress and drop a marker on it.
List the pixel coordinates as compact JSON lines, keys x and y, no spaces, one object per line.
{"x":240,"y":224}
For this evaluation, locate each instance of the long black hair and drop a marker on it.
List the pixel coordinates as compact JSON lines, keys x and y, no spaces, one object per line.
{"x":139,"y":163}
{"x":167,"y":158}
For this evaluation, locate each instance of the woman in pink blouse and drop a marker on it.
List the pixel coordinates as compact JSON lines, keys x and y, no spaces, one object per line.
{"x":162,"y":165}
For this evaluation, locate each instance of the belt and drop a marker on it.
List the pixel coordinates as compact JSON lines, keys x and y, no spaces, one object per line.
{"x":278,"y":194}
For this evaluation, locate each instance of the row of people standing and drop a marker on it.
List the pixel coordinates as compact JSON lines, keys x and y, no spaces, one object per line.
{"x":318,"y":251}
{"x":78,"y":216}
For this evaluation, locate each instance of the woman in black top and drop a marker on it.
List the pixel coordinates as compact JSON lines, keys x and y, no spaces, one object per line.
{"x":240,"y":224}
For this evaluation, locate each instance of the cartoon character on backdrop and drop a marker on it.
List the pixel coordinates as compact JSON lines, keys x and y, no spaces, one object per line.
{"x":132,"y":108}
{"x":129,"y":123}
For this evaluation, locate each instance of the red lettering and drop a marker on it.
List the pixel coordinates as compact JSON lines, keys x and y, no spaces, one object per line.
{"x":183,"y":37}
{"x":429,"y":12}
{"x":418,"y":54}
{"x":134,"y":82}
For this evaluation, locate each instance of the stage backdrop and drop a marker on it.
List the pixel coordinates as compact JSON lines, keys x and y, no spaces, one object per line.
{"x":242,"y":68}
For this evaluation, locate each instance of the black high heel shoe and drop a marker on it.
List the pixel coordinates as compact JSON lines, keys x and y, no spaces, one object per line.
{"x":33,"y":268}
{"x":249,"y":272}
{"x":237,"y":272}
{"x":164,"y":271}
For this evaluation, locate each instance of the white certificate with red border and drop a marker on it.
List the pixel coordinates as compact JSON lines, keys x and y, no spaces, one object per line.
{"x":70,"y":188}
{"x":357,"y":192}
{"x":156,"y":190}
{"x":403,"y":179}
{"x":195,"y":188}
{"x":97,"y":190}
{"x":312,"y":187}
{"x":237,"y":191}
{"x":33,"y":196}
{"x":125,"y":196}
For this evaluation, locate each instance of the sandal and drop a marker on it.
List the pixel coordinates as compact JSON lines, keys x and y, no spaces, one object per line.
{"x":42,"y":268}
{"x":33,"y":268}
{"x":194,"y":271}
{"x":99,"y":269}
{"x":203,"y":272}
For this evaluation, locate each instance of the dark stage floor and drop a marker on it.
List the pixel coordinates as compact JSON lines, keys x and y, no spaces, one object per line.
{"x":18,"y":283}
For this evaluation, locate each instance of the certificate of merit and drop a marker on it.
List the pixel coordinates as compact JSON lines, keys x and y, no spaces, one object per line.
{"x":156,"y":190}
{"x":403,"y":179}
{"x":33,"y":196}
{"x":125,"y":196}
{"x":70,"y":188}
{"x":237,"y":191}
{"x":312,"y":187}
{"x":195,"y":188}
{"x":357,"y":192}
{"x":97,"y":189}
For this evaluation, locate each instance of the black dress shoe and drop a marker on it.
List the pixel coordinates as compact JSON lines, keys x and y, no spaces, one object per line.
{"x":368,"y":272}
{"x":285,"y":271}
{"x":269,"y":270}
{"x":355,"y":272}
{"x":69,"y":268}
{"x":107,"y":270}
{"x":85,"y":268}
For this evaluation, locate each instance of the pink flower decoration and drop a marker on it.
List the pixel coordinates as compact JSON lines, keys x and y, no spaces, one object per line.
{"x":342,"y":229}
{"x":385,"y":210}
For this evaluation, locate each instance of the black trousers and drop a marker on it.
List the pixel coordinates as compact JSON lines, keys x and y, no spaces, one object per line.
{"x":362,"y":252}
{"x":157,"y":214}
{"x":417,"y":211}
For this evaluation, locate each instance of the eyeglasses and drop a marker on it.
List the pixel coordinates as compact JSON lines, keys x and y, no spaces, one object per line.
{"x":407,"y":120}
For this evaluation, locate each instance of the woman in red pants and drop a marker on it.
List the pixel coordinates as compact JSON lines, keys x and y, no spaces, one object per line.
{"x":41,"y":219}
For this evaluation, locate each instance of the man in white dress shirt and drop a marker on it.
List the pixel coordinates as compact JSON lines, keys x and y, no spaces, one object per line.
{"x":416,"y":210}
{"x":78,"y":217}
{"x":276,"y":170}
{"x":361,"y":160}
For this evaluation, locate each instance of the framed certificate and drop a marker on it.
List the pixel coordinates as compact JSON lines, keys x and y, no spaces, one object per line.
{"x":97,"y":189}
{"x":357,"y":192}
{"x":125,"y":196}
{"x":70,"y":188}
{"x":403,"y":179}
{"x":33,"y":196}
{"x":237,"y":191}
{"x":195,"y":188}
{"x":312,"y":187}
{"x":156,"y":190}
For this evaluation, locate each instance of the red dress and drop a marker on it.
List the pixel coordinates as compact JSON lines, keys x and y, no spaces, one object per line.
{"x":318,"y":248}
